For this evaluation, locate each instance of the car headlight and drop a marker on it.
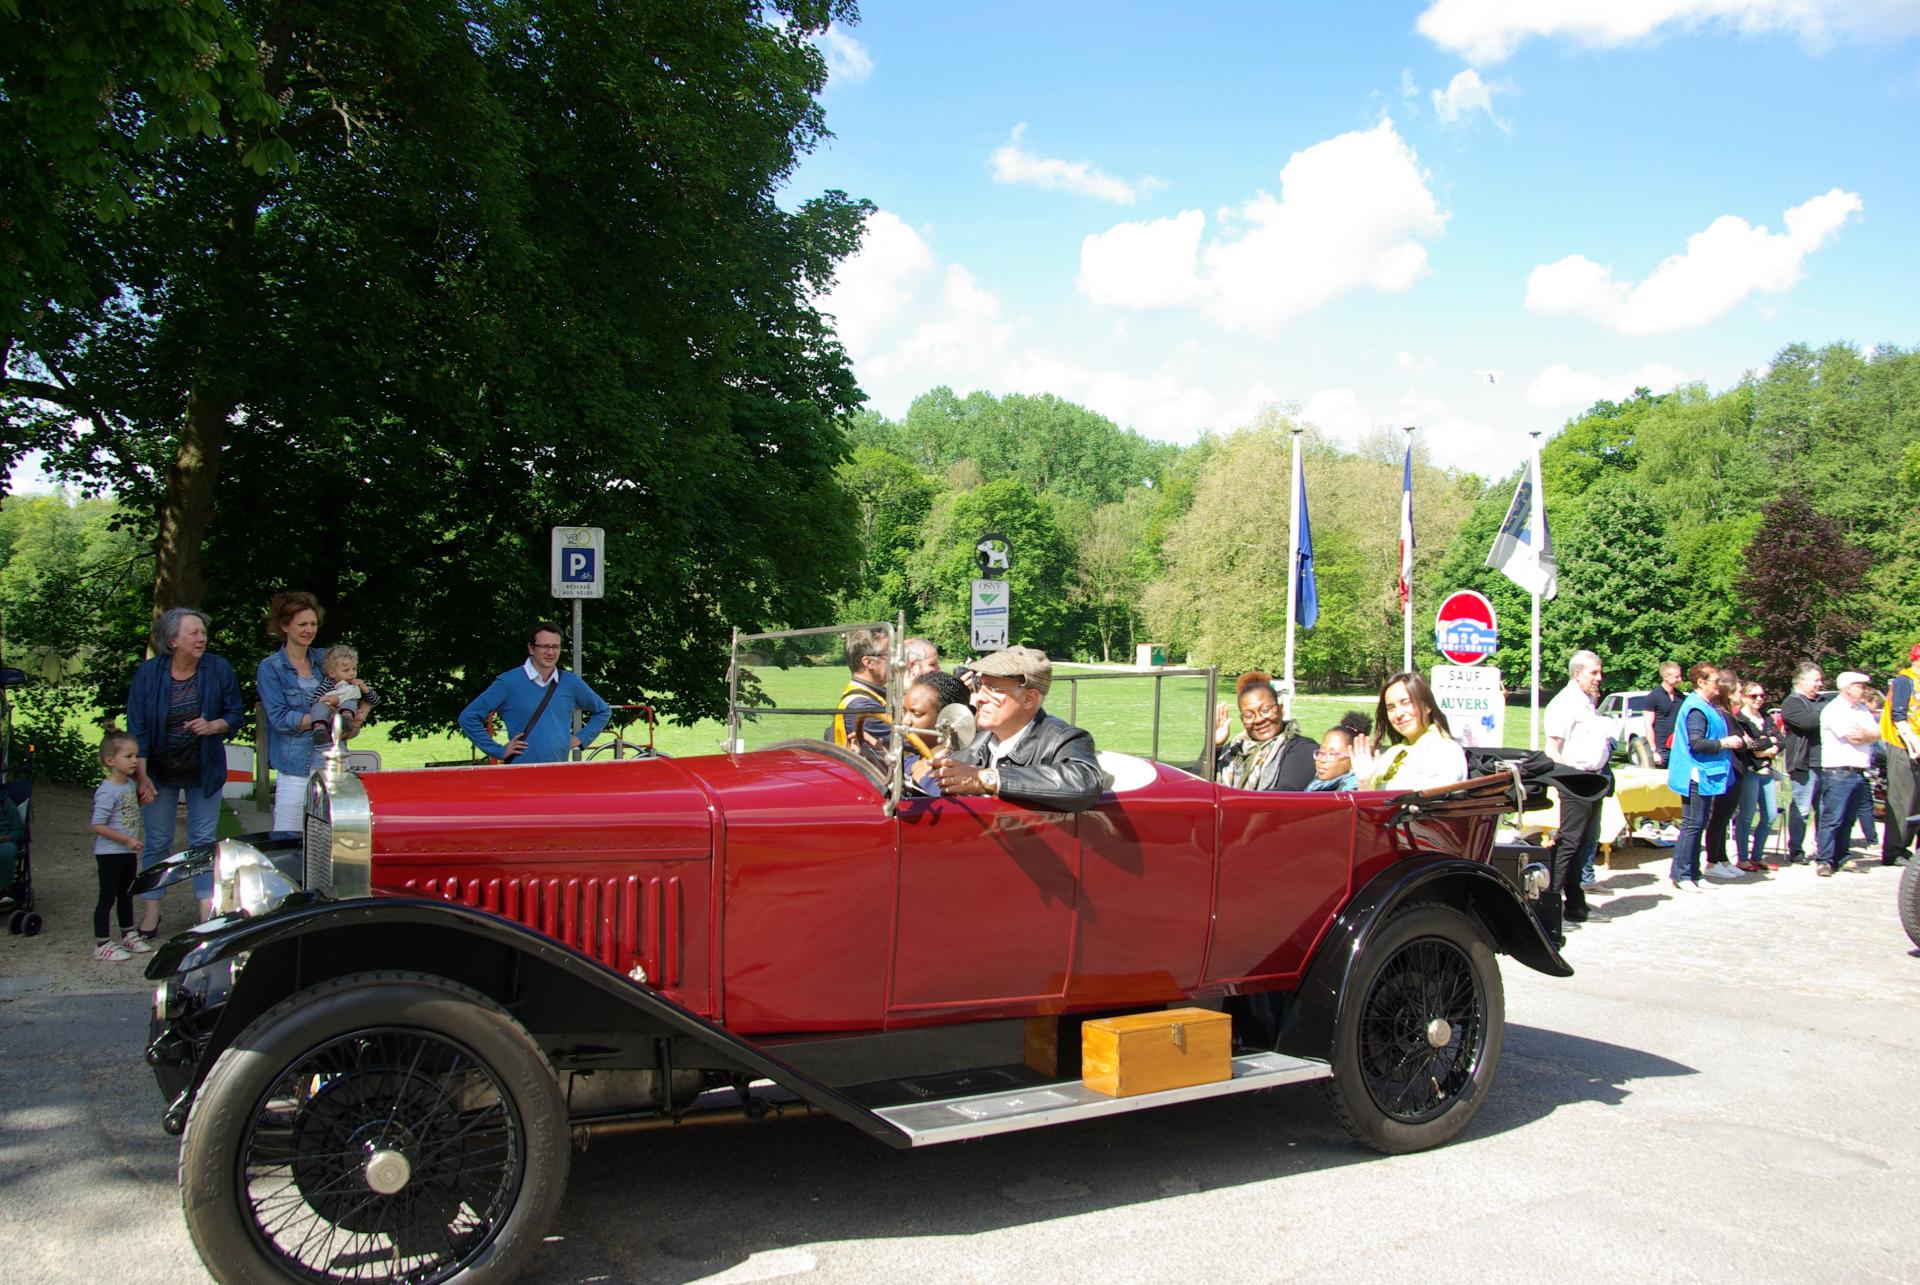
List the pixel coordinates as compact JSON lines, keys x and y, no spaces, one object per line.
{"x":244,"y":881}
{"x":1534,"y":880}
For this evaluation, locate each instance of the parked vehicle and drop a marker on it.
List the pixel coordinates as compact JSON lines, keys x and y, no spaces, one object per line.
{"x":1634,"y":747}
{"x":378,"y":1066}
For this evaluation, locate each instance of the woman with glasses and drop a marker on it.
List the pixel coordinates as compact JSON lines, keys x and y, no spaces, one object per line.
{"x":1417,"y":750}
{"x":1270,"y":753}
{"x":1699,"y":770}
{"x":1333,"y":761}
{"x":1759,"y":800}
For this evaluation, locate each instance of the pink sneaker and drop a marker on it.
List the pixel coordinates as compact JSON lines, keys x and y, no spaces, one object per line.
{"x":111,"y":951}
{"x":134,"y":942}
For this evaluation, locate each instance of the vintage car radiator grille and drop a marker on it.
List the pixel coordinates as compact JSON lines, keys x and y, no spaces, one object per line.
{"x":619,"y":921}
{"x":317,"y":855}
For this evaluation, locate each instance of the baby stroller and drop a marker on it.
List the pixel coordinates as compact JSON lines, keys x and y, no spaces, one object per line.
{"x":16,"y":832}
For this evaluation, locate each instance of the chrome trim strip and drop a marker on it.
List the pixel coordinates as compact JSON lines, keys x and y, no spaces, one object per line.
{"x":982,"y":1115}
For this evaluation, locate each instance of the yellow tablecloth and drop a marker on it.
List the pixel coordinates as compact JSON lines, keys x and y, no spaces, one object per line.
{"x":1637,"y":792}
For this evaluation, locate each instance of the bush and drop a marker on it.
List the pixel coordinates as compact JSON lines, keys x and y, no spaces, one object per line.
{"x":59,"y":754}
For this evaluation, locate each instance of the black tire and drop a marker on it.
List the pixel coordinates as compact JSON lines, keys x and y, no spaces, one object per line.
{"x":1392,"y":1087}
{"x":32,"y":924}
{"x":1910,"y":899}
{"x":16,"y":921}
{"x":293,"y":1138}
{"x":1639,"y":753}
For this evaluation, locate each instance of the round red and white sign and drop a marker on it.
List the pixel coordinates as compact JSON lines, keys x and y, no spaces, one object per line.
{"x":1464,"y":629}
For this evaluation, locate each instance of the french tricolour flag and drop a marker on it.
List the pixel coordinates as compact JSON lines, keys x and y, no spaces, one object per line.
{"x":1406,"y":530}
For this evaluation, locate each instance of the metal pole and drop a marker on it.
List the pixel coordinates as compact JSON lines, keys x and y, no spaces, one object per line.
{"x":1536,"y":521}
{"x":1406,"y":611}
{"x":575,"y":720}
{"x":1293,"y":561}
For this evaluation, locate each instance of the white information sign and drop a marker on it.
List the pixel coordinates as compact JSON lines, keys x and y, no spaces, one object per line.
{"x":990,"y":599}
{"x":579,"y":561}
{"x":1473,"y":701}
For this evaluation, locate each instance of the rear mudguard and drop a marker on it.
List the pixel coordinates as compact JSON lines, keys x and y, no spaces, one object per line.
{"x":586,"y":1016}
{"x":1308,"y":1022}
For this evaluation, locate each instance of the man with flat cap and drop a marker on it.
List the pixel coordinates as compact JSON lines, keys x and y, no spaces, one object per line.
{"x":1023,"y":754}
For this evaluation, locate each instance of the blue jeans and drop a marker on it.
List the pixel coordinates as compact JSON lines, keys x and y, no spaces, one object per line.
{"x":1753,"y":818}
{"x":157,"y":819}
{"x":1804,"y":811}
{"x":1840,"y":795}
{"x":1693,"y":825}
{"x":1589,"y":853}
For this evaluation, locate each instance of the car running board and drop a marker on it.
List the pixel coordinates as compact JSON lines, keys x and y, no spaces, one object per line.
{"x":1032,"y":1106}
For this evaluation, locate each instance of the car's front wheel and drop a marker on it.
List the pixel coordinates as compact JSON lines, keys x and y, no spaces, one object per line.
{"x":378,"y":1127}
{"x":1640,"y":753}
{"x":1419,"y":1031}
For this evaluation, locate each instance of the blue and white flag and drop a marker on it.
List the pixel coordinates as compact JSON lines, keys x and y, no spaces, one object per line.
{"x":1307,"y":608}
{"x":1516,"y":553}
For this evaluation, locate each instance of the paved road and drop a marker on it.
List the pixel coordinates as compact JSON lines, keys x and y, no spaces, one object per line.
{"x":1724,"y":1092}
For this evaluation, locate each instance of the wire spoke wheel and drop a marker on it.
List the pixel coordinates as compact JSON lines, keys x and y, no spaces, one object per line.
{"x":381,"y":1126}
{"x":1421,"y":1030}
{"x":384,"y":1155}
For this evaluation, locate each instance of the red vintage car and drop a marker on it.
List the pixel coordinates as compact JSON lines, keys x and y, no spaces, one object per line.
{"x":379,"y":1067}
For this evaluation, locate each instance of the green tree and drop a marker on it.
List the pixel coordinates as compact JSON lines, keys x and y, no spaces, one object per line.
{"x":1801,"y":578}
{"x":892,"y":501}
{"x":940,"y":576}
{"x":1113,"y":565}
{"x":1618,"y":587}
{"x":497,"y":269}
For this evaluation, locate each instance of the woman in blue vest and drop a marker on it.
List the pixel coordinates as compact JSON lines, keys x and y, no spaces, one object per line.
{"x":1699,"y":770}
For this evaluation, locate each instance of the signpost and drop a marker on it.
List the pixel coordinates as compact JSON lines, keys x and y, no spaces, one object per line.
{"x":1464,"y":629}
{"x":1473,"y":701}
{"x":992,"y":597}
{"x":579,"y":572}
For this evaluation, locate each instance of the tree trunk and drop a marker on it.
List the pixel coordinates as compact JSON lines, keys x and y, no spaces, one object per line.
{"x":186,"y":504}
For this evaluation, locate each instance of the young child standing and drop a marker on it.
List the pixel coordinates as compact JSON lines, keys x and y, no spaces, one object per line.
{"x":341,"y":674}
{"x":116,"y":847}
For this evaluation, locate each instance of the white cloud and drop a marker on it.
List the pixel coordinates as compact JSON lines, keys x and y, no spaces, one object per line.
{"x":1013,"y":163}
{"x":847,"y":59}
{"x":875,"y":283}
{"x":1337,"y":412}
{"x":1560,"y":387}
{"x":1723,"y":265}
{"x":1487,"y":31}
{"x":1413,"y":365}
{"x":1351,"y":215}
{"x":1466,"y":94}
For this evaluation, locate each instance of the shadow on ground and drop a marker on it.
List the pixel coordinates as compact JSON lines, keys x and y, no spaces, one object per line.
{"x":675,"y":1206}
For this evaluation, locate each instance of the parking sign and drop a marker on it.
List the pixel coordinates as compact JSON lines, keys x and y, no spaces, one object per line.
{"x":579,"y":561}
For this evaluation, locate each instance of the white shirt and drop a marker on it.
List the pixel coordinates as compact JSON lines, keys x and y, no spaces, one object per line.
{"x":533,"y":674}
{"x":998,"y":749}
{"x":1586,"y":739}
{"x":1842,"y":715}
{"x":1433,"y":759}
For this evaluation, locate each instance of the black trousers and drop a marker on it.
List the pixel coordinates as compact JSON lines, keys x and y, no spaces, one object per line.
{"x":1564,"y":899}
{"x":1718,"y":818}
{"x":1896,"y":835}
{"x":116,"y":871}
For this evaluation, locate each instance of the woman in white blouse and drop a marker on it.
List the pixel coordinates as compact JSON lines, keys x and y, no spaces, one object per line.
{"x":1416,"y":751}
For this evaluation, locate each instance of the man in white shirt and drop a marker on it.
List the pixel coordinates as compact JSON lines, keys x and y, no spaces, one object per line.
{"x":1848,"y":730}
{"x":1578,"y":736}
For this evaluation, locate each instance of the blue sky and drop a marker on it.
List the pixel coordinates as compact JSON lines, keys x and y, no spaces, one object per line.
{"x":1181,"y":214}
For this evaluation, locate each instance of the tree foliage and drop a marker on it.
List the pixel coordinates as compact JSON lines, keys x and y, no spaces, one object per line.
{"x":1801,"y":578}
{"x":940,"y":575}
{"x":488,"y":268}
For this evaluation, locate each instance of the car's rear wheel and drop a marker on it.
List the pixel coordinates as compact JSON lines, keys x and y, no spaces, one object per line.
{"x":1419,"y":1031}
{"x":1640,"y":753}
{"x":378,"y":1127}
{"x":1910,"y":899}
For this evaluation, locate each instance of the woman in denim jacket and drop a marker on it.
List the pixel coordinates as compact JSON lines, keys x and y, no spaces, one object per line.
{"x":286,"y":681}
{"x":182,"y":706}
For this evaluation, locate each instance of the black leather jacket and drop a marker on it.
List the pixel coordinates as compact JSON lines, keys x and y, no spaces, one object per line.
{"x":1052,"y":768}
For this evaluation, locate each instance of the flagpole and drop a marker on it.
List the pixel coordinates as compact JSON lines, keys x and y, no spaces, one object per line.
{"x":1293,"y":553}
{"x":1406,"y":608}
{"x":1537,"y":524}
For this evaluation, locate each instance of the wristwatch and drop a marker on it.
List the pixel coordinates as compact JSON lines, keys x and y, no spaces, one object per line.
{"x":990,"y":780}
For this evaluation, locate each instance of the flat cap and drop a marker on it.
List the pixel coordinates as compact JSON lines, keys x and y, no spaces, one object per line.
{"x":1028,"y":664}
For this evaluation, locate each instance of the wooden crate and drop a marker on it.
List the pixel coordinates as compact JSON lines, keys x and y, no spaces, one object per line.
{"x":1148,"y":1052}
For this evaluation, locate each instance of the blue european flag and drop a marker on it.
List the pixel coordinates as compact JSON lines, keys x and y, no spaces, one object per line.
{"x":1308,"y":606}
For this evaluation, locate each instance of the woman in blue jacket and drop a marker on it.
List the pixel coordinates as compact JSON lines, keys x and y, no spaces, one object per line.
{"x":1699,"y":770}
{"x":182,"y":706}
{"x":286,"y":681}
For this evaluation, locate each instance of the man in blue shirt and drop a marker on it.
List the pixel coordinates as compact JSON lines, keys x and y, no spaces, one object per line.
{"x":537,"y":700}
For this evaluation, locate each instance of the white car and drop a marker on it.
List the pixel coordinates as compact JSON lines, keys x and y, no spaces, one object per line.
{"x":1633,"y":706}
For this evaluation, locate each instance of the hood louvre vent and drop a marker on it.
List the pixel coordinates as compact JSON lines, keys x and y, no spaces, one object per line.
{"x":620,"y":922}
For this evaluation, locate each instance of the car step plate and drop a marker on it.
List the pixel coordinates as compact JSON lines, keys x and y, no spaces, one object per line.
{"x":981,"y":1115}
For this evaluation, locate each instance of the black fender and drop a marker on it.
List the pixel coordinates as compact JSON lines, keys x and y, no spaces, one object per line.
{"x":1309,"y":1022}
{"x":586,"y":1016}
